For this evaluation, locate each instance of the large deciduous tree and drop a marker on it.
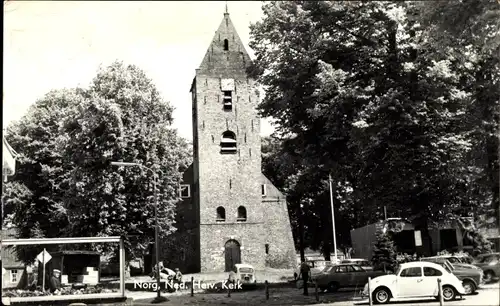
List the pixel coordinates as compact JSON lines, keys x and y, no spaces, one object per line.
{"x":365,"y":92}
{"x":65,"y":184}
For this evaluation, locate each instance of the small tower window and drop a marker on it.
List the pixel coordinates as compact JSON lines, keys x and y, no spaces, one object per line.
{"x":267,"y":248}
{"x":242,"y":214}
{"x":228,"y":100}
{"x":227,"y":87}
{"x":263,"y":190}
{"x":221,"y":214}
{"x":228,"y":143}
{"x":226,"y":45}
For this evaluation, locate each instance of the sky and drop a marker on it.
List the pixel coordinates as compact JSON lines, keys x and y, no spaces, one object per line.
{"x":60,"y":44}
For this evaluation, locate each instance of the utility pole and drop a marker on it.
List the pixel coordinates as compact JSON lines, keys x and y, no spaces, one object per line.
{"x":333,"y":219}
{"x":385,"y":213}
{"x":157,"y":241}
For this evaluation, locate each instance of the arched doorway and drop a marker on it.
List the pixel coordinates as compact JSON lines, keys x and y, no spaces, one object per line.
{"x":232,"y":254}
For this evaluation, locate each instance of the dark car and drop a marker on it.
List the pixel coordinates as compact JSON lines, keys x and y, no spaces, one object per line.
{"x":344,"y":275}
{"x":490,"y":263}
{"x":316,"y":266}
{"x":471,"y":277}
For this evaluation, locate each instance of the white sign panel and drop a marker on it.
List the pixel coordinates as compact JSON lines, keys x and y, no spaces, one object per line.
{"x":418,"y":238}
{"x":227,"y":85}
{"x":41,"y":257}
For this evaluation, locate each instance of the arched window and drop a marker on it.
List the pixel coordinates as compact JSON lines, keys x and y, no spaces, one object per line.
{"x":228,"y":142}
{"x":242,"y":214}
{"x":226,"y":45}
{"x":221,"y":214}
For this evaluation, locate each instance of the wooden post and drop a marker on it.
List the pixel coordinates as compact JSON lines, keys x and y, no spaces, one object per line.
{"x":370,"y":292}
{"x":267,"y":290}
{"x":440,"y":292}
{"x":316,"y":292}
{"x":192,"y":286}
{"x":43,"y":270}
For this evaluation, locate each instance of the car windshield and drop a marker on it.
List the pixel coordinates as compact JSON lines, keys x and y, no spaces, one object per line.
{"x":246,"y":270}
{"x":398,"y":270}
{"x":453,"y":259}
{"x":327,"y":269}
{"x":321,"y":263}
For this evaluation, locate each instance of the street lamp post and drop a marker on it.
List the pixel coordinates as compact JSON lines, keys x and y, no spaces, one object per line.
{"x":333,"y":219}
{"x":157,"y":242}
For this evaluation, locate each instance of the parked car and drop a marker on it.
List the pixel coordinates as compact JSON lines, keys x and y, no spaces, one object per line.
{"x":416,"y":279}
{"x":245,"y":273}
{"x":490,"y":263}
{"x":365,"y":264}
{"x":471,"y":278}
{"x":316,"y":267}
{"x":458,"y":262}
{"x":343,"y":275}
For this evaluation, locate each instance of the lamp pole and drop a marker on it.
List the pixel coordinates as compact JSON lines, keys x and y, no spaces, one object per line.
{"x":157,"y":240}
{"x":333,"y":218}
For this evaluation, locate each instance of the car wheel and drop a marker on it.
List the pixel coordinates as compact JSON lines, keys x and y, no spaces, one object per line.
{"x":448,"y":293}
{"x":469,"y":286}
{"x":489,"y":276}
{"x":333,"y":287}
{"x":381,"y":296}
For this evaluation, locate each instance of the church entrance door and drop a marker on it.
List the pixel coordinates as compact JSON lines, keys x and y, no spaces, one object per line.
{"x":232,"y":254}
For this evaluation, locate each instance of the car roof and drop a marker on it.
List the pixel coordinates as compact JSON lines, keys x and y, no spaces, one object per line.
{"x":489,"y":254}
{"x":347,"y":264}
{"x":243,"y":266}
{"x":355,"y":259}
{"x":415,"y":264}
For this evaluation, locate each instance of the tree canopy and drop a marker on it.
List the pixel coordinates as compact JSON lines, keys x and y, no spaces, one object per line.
{"x":65,"y":185}
{"x":367,"y":92}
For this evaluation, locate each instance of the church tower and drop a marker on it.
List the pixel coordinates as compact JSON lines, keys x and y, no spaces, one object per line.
{"x":226,"y":187}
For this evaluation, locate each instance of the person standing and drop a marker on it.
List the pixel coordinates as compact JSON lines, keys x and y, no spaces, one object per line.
{"x":305,"y":271}
{"x":55,"y":283}
{"x":178,"y":276}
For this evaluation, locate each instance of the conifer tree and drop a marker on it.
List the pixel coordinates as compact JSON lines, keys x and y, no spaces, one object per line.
{"x":384,"y":252}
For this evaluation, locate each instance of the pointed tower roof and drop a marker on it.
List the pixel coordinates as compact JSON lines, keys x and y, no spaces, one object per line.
{"x":226,"y":54}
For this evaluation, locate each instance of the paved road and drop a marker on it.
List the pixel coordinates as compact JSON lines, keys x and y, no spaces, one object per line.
{"x":488,"y":296}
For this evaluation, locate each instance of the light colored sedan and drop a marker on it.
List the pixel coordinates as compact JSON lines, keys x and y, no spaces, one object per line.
{"x":415,"y":280}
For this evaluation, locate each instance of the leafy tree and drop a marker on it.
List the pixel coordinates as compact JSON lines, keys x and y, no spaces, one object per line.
{"x":65,"y":183}
{"x":364,"y":92}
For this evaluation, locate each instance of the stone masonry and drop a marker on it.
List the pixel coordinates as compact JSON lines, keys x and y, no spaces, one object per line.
{"x":230,"y":181}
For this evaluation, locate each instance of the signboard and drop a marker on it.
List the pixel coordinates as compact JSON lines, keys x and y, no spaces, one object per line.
{"x":44,"y":257}
{"x":227,"y":85}
{"x":418,"y":238}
